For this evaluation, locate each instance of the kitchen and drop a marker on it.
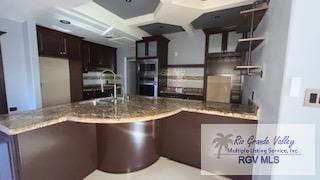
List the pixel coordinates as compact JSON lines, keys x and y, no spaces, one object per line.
{"x":104,"y":85}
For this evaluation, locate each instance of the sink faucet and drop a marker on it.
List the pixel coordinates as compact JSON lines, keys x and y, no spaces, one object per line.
{"x":114,"y":82}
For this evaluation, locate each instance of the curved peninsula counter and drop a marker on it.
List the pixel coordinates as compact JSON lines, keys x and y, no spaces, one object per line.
{"x":71,"y":141}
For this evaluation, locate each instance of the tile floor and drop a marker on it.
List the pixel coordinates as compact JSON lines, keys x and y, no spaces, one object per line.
{"x":162,"y":169}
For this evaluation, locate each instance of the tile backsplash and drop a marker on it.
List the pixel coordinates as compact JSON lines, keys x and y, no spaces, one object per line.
{"x":185,"y":77}
{"x":93,"y":78}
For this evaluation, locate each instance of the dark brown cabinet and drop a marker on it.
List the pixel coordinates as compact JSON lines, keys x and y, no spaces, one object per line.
{"x":152,"y":55}
{"x":51,"y":43}
{"x":98,"y":56}
{"x":60,"y":45}
{"x":82,"y":56}
{"x":221,"y":41}
{"x":56,"y":44}
{"x":73,"y":47}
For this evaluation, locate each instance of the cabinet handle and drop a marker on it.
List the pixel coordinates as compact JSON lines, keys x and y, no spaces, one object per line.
{"x":65,"y":46}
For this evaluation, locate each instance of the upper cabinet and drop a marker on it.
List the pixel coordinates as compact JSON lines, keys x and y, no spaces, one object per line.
{"x":73,"y":45}
{"x":51,"y":43}
{"x":56,"y":44}
{"x":233,"y":39}
{"x":98,"y":56}
{"x":215,"y":43}
{"x":222,"y":42}
{"x":141,"y":49}
{"x":151,"y":47}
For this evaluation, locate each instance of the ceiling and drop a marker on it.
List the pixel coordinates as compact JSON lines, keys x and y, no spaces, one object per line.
{"x":222,"y":18}
{"x":161,"y":28}
{"x":119,"y":23}
{"x":126,"y":9}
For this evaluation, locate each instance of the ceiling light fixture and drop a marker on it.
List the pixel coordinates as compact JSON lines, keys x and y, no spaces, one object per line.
{"x":129,"y":1}
{"x":65,"y":21}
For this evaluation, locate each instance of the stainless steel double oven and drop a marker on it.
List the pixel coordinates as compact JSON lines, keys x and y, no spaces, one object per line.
{"x":147,"y":77}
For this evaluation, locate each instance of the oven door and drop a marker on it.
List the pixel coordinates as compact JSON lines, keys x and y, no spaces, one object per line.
{"x":147,"y":77}
{"x":148,"y":89}
{"x":149,"y":65}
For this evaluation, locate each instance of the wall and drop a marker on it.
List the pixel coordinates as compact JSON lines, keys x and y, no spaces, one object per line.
{"x":302,"y":61}
{"x":121,"y":54}
{"x":185,"y":48}
{"x":20,"y":61}
{"x":290,"y":50}
{"x":271,"y":55}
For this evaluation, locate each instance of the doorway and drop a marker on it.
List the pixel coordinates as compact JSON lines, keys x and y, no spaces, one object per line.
{"x":130,"y":75}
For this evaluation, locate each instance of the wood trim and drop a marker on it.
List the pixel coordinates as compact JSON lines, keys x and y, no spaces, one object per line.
{"x":186,"y":66}
{"x":219,"y":30}
{"x":244,"y":44}
{"x":3,"y":95}
{"x":224,"y":41}
{"x":205,"y":77}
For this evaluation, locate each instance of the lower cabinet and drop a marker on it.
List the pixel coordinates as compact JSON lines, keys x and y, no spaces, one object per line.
{"x":180,"y":137}
{"x":72,"y":151}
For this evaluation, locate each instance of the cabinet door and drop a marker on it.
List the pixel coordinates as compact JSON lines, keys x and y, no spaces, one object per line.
{"x":76,"y":80}
{"x":141,"y":49}
{"x":73,"y":48}
{"x":233,"y":38}
{"x":109,"y":58}
{"x":96,"y":56}
{"x":215,"y":43}
{"x":50,"y":43}
{"x":86,"y":56}
{"x":152,"y":48}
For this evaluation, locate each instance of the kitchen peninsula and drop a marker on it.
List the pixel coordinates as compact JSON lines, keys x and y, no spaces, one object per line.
{"x":120,"y":137}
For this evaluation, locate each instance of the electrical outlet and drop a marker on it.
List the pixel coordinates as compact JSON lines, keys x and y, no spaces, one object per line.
{"x":312,"y":98}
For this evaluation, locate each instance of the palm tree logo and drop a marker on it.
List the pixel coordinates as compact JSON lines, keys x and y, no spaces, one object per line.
{"x":222,"y":141}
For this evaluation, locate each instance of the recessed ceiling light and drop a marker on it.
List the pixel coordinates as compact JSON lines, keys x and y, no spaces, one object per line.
{"x":65,"y":21}
{"x":128,"y":1}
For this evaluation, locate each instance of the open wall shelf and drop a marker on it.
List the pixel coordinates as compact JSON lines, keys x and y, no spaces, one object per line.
{"x":250,"y":70}
{"x":244,"y":44}
{"x":246,"y":18}
{"x":248,"y":67}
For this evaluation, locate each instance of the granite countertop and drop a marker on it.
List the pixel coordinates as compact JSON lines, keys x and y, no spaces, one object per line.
{"x":90,"y":88}
{"x":133,"y":109}
{"x":182,"y":93}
